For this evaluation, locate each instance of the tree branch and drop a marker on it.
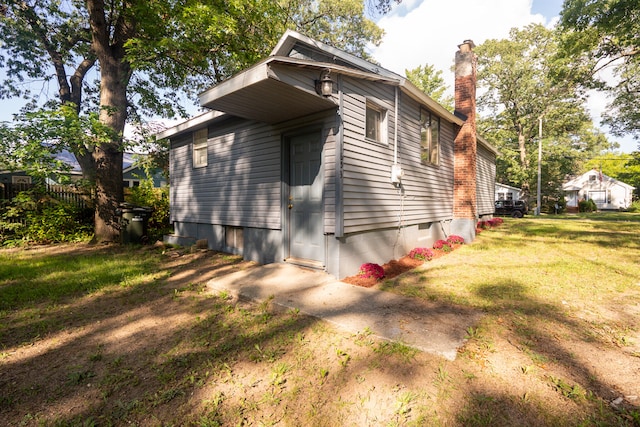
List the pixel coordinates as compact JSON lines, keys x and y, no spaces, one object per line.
{"x":42,"y":35}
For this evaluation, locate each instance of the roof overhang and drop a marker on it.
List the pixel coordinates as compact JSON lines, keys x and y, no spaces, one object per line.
{"x":258,"y":94}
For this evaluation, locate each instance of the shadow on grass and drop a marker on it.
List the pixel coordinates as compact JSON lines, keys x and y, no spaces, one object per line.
{"x":163,"y":350}
{"x":544,"y":332}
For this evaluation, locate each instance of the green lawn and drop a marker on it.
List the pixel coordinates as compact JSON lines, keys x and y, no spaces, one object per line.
{"x":131,"y":336}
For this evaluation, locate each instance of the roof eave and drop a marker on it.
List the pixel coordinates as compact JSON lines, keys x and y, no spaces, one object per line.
{"x":190,"y":124}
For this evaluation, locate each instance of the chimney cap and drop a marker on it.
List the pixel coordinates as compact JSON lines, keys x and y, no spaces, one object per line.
{"x":467,"y":46}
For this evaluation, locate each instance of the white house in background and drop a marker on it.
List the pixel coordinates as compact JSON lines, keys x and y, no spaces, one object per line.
{"x":607,"y":193}
{"x":507,"y":192}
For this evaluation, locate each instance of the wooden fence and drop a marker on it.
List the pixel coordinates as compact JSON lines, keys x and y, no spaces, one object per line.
{"x":81,"y":199}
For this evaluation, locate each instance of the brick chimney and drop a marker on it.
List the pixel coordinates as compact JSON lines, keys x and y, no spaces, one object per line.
{"x":465,"y":212}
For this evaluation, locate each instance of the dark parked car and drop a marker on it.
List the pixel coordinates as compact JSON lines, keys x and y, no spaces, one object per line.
{"x":515,"y":209}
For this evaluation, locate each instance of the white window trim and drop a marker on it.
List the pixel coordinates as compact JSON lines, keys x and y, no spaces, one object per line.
{"x":383,"y":129}
{"x":199,"y":142}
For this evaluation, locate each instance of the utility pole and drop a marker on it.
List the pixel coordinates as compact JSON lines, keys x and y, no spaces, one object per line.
{"x":539,"y":198}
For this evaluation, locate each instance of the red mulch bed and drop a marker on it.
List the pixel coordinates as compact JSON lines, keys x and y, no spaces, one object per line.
{"x":392,"y":269}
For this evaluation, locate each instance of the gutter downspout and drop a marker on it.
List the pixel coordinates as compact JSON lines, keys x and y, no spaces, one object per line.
{"x":396,"y":170}
{"x":395,"y":129}
{"x":339,"y":226}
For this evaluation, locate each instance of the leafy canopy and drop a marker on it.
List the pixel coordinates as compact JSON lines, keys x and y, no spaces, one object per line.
{"x":604,"y":35}
{"x":431,"y":82}
{"x":523,"y":80}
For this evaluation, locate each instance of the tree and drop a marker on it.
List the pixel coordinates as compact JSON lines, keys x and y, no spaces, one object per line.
{"x":431,"y":82}
{"x":144,"y":53}
{"x":524,"y":81}
{"x":604,"y":34}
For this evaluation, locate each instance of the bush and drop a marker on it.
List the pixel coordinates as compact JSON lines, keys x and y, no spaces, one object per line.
{"x":156,"y":199}
{"x":424,"y":254}
{"x":442,"y":245}
{"x":550,"y":207}
{"x":587,"y":206}
{"x":483,"y":225}
{"x":635,"y":206}
{"x":370,"y":270}
{"x":455,"y":240}
{"x":31,"y":217}
{"x":494,"y":222}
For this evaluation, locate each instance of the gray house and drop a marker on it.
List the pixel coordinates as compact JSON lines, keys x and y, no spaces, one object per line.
{"x":318,"y":158}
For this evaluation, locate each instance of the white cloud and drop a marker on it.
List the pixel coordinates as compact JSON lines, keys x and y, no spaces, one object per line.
{"x":431,"y":32}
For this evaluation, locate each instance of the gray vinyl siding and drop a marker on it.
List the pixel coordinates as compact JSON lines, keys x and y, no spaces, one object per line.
{"x":486,"y":180}
{"x":240,"y":186}
{"x":370,"y":201}
{"x":242,"y":182}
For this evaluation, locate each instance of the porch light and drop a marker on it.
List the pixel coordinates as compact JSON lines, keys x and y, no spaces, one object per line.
{"x":324,"y":85}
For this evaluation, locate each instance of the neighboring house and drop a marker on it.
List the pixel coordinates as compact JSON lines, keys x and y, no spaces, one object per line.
{"x":607,"y":193}
{"x":507,"y":192}
{"x":318,"y":158}
{"x":132,"y":173}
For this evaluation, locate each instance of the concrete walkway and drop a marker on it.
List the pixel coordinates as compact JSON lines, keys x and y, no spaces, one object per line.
{"x":429,"y":327}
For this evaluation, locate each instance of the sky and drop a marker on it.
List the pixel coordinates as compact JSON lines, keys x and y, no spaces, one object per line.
{"x":429,"y":31}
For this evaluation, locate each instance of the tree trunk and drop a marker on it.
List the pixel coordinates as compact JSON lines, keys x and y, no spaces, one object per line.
{"x":107,"y":157}
{"x":524,"y":161}
{"x":108,"y":39}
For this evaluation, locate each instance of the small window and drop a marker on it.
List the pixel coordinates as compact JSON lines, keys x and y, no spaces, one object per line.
{"x":429,"y":138}
{"x":200,"y":148}
{"x":592,"y":177}
{"x":376,"y":123}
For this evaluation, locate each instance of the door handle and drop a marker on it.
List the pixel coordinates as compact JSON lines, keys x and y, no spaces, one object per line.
{"x":290,"y":205}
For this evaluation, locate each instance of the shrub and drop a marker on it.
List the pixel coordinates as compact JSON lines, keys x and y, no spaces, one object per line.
{"x":494,"y":222}
{"x":371,"y":270}
{"x":442,"y":245}
{"x":156,"y":199}
{"x":32,"y":217}
{"x":587,"y":206}
{"x":483,"y":225}
{"x":455,"y":240}
{"x":424,"y":254}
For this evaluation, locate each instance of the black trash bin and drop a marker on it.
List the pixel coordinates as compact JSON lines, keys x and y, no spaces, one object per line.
{"x":133,"y":222}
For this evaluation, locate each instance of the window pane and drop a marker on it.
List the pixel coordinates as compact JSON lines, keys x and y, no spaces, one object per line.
{"x":373,"y":120}
{"x":200,"y":148}
{"x":425,"y":137}
{"x":200,"y":156}
{"x":435,"y":140}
